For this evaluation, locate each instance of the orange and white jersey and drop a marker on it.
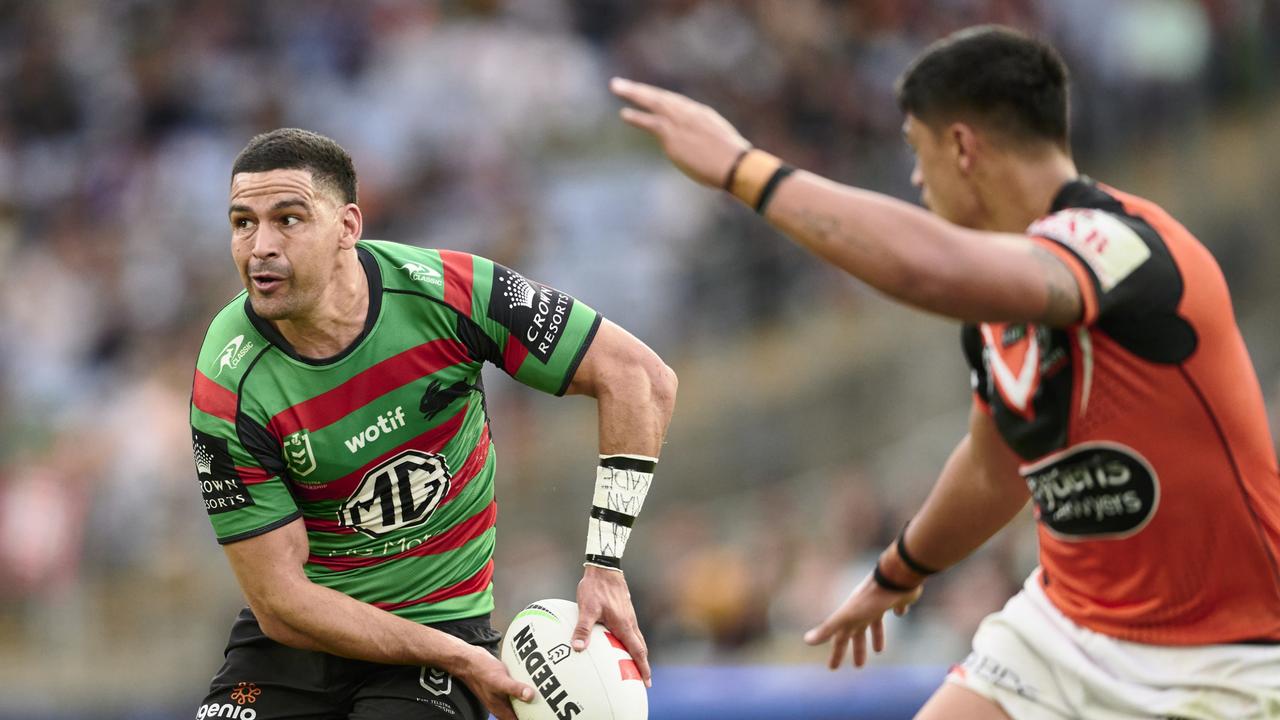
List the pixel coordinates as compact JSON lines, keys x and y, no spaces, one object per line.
{"x":1142,"y":432}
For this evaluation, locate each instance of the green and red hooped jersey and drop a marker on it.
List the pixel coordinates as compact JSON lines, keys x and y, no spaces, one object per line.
{"x":384,"y":449}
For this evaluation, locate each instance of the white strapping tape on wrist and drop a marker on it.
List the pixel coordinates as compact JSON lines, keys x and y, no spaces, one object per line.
{"x":622,"y":482}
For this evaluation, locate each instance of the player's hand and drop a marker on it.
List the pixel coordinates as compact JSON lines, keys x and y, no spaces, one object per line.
{"x":489,"y":680}
{"x":864,"y":609}
{"x":603,"y":598}
{"x":697,"y":139}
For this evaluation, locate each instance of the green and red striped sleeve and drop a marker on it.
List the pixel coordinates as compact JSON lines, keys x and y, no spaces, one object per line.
{"x":242,"y":490}
{"x":541,"y":333}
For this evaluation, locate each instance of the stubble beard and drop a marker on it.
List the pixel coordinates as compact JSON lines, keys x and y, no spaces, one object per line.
{"x":283,"y":304}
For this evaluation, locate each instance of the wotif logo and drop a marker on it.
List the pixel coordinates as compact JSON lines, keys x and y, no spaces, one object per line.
{"x":421,"y":273}
{"x":233,"y":353}
{"x":388,"y":422}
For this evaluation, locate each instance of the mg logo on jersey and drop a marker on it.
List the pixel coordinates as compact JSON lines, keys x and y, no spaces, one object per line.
{"x":298,"y":454}
{"x":400,"y":493}
{"x":233,"y":353}
{"x":422,"y":273}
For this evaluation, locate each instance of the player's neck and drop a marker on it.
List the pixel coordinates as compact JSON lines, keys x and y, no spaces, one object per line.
{"x":338,"y":317}
{"x":1024,"y":189}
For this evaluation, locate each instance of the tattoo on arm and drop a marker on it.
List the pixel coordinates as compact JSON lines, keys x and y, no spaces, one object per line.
{"x":822,"y":228}
{"x":1063,"y":304}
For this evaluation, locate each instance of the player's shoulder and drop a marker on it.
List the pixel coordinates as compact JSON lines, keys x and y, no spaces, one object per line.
{"x":1094,"y":224}
{"x":409,"y":268}
{"x":230,"y":341}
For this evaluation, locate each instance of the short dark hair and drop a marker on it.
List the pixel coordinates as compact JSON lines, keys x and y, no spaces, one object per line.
{"x":995,"y":76}
{"x":297,"y":149}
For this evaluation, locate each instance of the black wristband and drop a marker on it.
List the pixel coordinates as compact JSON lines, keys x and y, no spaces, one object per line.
{"x":604,"y":561}
{"x":613,"y":516}
{"x":884,"y":582}
{"x":774,"y":181}
{"x":733,"y":169}
{"x":916,"y":566}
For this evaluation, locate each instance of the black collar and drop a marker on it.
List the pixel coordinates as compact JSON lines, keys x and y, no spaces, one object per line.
{"x":273,"y":336}
{"x":1080,"y":192}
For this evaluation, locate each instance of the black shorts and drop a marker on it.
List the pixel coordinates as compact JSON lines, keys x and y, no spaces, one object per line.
{"x":264,"y":680}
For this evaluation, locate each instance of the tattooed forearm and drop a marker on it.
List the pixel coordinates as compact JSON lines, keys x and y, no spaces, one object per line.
{"x":818,"y":227}
{"x":1062,"y":295}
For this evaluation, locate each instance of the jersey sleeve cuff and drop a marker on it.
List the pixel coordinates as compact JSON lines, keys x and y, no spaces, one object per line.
{"x":262,"y":530}
{"x":1084,"y":278}
{"x":582,"y":352}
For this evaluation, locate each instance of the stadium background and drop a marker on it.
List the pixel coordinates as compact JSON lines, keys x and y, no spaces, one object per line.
{"x":812,"y":414}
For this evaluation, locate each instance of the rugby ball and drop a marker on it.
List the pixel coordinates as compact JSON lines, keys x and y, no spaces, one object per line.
{"x":599,"y":683}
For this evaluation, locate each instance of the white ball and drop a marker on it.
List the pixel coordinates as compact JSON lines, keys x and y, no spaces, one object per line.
{"x":599,"y":683}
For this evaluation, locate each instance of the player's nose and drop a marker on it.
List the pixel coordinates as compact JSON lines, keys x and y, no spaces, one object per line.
{"x":266,"y":243}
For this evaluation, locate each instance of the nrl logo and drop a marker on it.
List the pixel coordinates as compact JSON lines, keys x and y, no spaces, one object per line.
{"x":436,"y":682}
{"x":233,"y":353}
{"x":298,"y":454}
{"x":422,"y":273}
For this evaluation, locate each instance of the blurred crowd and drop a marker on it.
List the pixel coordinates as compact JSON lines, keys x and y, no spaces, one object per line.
{"x":486,"y":126}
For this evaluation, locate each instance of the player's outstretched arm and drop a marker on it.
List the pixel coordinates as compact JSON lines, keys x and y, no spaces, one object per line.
{"x":296,"y":612}
{"x":635,"y":392}
{"x":897,"y":248}
{"x":978,"y":492}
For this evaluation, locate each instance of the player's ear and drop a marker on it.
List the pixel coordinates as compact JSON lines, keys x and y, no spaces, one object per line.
{"x":962,"y":141}
{"x":352,"y":225}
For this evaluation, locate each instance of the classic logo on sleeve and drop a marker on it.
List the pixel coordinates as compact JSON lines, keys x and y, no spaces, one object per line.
{"x":1094,"y":491}
{"x":422,"y":273}
{"x":534,"y":313}
{"x":1111,"y":248}
{"x":233,"y":353}
{"x":220,"y":486}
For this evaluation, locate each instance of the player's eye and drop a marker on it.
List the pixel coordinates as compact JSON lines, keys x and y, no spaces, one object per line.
{"x":241,"y":223}
{"x":290,"y":220}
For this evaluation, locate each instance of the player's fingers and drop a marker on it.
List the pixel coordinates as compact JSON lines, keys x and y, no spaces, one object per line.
{"x":639,"y":94}
{"x":821,"y":633}
{"x":501,"y":708}
{"x":877,"y":635}
{"x":859,"y":648}
{"x":581,"y":635}
{"x":634,"y":643}
{"x":643,"y":120}
{"x":838,"y":644}
{"x":516,"y":689}
{"x":588,"y":616}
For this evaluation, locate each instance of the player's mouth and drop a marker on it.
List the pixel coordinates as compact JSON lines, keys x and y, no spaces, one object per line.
{"x":266,"y":283}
